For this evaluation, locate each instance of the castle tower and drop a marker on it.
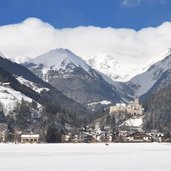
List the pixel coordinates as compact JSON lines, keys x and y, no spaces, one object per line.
{"x":137,"y":101}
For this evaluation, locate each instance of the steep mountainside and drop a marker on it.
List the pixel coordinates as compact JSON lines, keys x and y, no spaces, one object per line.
{"x":26,"y":83}
{"x":163,"y":81}
{"x":154,"y":79}
{"x":73,"y":77}
{"x":159,"y":110}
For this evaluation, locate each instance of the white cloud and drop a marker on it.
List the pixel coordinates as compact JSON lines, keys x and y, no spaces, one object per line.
{"x":130,"y":3}
{"x":135,"y":3}
{"x":130,"y":50}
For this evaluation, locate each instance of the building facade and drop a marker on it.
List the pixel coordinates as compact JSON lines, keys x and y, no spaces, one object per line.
{"x":3,"y":132}
{"x":134,"y":108}
{"x":30,"y":138}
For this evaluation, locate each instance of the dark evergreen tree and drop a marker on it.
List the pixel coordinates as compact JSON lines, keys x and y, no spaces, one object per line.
{"x":2,"y":117}
{"x":33,"y":104}
{"x":53,"y":135}
{"x":23,"y":117}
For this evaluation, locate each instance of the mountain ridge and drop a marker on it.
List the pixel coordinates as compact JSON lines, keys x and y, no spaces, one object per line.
{"x":145,"y":81}
{"x":73,"y":76}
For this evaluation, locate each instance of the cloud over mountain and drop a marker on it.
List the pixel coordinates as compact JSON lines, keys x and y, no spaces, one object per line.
{"x":33,"y":37}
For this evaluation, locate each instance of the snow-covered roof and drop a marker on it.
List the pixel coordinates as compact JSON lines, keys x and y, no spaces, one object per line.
{"x":121,"y":104}
{"x":30,"y":136}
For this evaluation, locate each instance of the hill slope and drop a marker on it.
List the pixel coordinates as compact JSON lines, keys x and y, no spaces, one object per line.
{"x":24,"y":81}
{"x":158,"y":108}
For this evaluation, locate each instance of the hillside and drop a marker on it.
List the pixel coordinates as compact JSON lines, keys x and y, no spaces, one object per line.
{"x":159,"y":110}
{"x":25,"y":82}
{"x":154,"y":79}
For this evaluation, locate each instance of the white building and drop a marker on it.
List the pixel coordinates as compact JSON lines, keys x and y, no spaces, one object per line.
{"x":119,"y":107}
{"x":30,"y":138}
{"x":3,"y":132}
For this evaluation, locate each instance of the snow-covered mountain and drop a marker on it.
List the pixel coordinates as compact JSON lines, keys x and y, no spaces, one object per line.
{"x":17,"y":83}
{"x":59,"y":60}
{"x":158,"y":76}
{"x":79,"y":81}
{"x":119,"y":67}
{"x":10,"y":95}
{"x":73,"y":77}
{"x":63,"y":56}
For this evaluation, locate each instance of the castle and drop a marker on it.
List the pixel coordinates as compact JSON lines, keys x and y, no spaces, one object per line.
{"x":134,"y":108}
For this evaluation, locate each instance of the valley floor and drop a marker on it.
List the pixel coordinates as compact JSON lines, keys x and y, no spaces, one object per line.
{"x":85,"y":157}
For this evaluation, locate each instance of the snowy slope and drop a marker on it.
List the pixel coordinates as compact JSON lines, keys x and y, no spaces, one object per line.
{"x":9,"y":98}
{"x":119,"y":66}
{"x":112,"y":66}
{"x":147,"y":79}
{"x":134,"y":122}
{"x":103,"y":102}
{"x":30,"y":84}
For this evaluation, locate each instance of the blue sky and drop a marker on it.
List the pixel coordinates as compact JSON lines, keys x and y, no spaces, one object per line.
{"x":135,"y":14}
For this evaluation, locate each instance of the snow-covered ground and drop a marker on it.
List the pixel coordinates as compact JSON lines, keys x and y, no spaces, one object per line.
{"x":9,"y":98}
{"x":31,"y":85}
{"x":134,"y":122}
{"x":103,"y":102}
{"x":85,"y":157}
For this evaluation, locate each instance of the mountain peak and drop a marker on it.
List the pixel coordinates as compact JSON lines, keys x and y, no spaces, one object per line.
{"x":57,"y":58}
{"x":2,"y":55}
{"x":62,"y":50}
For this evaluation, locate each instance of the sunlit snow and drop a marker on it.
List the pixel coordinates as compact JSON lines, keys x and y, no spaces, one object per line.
{"x":59,"y":58}
{"x":9,"y":98}
{"x":135,"y":122}
{"x":103,"y":102}
{"x":31,"y":85}
{"x":85,"y":157}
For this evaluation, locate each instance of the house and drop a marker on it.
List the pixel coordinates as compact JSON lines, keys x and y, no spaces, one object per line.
{"x":3,"y":132}
{"x":138,"y":137}
{"x":30,"y":138}
{"x":157,"y":136}
{"x":67,"y":137}
{"x":7,"y":84}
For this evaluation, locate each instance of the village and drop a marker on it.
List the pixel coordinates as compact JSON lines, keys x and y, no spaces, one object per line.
{"x":119,"y":132}
{"x":90,"y":135}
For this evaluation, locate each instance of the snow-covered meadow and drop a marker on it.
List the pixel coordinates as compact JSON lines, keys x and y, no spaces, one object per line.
{"x":85,"y":157}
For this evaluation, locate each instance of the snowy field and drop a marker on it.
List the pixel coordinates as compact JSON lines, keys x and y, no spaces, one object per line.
{"x":85,"y":157}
